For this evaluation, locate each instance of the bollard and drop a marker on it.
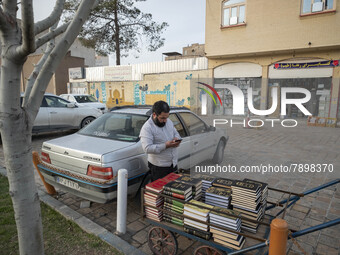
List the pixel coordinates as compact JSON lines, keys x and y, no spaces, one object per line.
{"x":278,"y":237}
{"x":121,"y":201}
{"x":36,"y":160}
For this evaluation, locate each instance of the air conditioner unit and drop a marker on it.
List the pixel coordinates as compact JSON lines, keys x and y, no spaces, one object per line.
{"x":233,"y":20}
{"x":317,"y":7}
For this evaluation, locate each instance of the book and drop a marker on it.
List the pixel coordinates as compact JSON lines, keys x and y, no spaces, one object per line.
{"x":223,"y":242}
{"x":197,"y":232}
{"x":171,"y":177}
{"x":223,"y":183}
{"x":156,"y":186}
{"x":179,"y":188}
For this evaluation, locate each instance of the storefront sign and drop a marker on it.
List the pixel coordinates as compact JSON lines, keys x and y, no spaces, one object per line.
{"x":320,"y":64}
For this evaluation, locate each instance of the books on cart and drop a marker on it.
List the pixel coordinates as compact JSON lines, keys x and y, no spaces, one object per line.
{"x":218,"y":197}
{"x":152,"y":200}
{"x":224,"y":219}
{"x":264,"y":192}
{"x":174,"y":204}
{"x":195,"y":183}
{"x":246,"y":199}
{"x":196,"y":215}
{"x":206,"y":183}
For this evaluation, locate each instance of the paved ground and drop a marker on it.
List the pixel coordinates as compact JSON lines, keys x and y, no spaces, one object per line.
{"x":253,"y":147}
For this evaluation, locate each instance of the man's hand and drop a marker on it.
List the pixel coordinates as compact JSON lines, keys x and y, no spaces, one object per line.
{"x":172,"y":143}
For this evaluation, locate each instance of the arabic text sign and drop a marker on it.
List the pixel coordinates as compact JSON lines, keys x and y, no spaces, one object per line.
{"x":320,"y":64}
{"x":118,"y":73}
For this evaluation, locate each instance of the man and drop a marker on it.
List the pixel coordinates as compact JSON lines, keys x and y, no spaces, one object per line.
{"x":160,"y":140}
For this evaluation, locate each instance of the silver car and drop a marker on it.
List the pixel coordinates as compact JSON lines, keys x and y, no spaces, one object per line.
{"x":86,"y":163}
{"x":85,"y":100}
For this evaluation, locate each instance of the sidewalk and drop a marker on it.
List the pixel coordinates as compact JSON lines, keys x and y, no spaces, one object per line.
{"x":248,"y":147}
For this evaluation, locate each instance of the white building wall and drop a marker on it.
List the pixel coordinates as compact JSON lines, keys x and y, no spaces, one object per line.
{"x":138,"y":70}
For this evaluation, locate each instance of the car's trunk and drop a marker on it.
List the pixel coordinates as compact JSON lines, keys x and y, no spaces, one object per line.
{"x":76,"y":152}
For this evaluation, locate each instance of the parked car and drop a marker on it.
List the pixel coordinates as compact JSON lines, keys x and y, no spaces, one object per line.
{"x":85,"y":100}
{"x":56,"y":113}
{"x":86,"y":163}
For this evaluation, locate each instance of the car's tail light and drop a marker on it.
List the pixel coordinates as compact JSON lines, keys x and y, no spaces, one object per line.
{"x":105,"y":173}
{"x":45,"y":157}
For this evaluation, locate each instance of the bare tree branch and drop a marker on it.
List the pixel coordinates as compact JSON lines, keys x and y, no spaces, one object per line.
{"x":50,"y":35}
{"x":44,"y":24}
{"x":56,"y":56}
{"x":31,"y":80}
{"x":28,"y":42}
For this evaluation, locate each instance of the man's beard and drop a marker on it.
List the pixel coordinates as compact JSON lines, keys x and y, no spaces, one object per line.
{"x":158,"y":123}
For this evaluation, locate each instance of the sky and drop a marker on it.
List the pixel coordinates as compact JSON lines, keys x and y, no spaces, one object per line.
{"x":186,"y":19}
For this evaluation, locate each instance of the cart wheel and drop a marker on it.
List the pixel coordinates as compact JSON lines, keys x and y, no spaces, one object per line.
{"x":207,"y":250}
{"x":162,"y":241}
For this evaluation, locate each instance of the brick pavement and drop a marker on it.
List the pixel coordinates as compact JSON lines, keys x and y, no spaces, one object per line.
{"x":247,"y":147}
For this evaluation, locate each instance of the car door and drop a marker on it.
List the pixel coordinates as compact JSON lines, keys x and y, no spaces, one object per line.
{"x":202,"y":144}
{"x":60,"y":115}
{"x":184,"y":150}
{"x":42,"y":121}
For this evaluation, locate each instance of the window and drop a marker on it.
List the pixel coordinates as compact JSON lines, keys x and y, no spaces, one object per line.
{"x":315,"y":6}
{"x":56,"y":102}
{"x":178,"y":125}
{"x":233,"y":12}
{"x":193,"y":123}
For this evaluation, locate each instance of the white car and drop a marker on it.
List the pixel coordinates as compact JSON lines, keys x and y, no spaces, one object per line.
{"x":56,"y":113}
{"x":85,"y":100}
{"x":86,"y":163}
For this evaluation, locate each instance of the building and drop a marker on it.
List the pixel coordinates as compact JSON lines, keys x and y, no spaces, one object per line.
{"x":77,"y":56}
{"x":194,"y":50}
{"x":267,"y":44}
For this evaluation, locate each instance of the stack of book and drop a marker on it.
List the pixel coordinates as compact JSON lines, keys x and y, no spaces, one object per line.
{"x":264,"y":193}
{"x":173,"y":208}
{"x":218,"y":197}
{"x":224,"y":219}
{"x":246,"y":199}
{"x":206,"y":184}
{"x":195,"y":183}
{"x":154,"y":201}
{"x":196,"y":217}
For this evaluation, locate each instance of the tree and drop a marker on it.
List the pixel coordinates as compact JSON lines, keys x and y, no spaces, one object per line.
{"x":18,"y":40}
{"x":118,"y":26}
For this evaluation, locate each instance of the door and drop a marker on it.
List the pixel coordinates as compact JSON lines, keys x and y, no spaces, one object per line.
{"x":42,"y":121}
{"x":202,"y":144}
{"x":59,"y":114}
{"x":184,"y":149}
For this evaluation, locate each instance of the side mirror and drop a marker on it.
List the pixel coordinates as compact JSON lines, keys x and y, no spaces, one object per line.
{"x":211,"y":128}
{"x":71,"y":105}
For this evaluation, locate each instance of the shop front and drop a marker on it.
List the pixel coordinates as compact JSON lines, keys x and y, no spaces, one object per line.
{"x":241,"y":75}
{"x":315,"y":75}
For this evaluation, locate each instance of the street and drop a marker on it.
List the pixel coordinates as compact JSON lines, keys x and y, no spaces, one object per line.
{"x":275,"y":148}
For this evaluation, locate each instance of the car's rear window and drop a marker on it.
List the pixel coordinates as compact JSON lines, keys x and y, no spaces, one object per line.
{"x":116,"y":126}
{"x":85,"y":99}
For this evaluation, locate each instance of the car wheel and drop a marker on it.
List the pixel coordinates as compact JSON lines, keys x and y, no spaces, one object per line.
{"x":219,"y":153}
{"x":86,"y":121}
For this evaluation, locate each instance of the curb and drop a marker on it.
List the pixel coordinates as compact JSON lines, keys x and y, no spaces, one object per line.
{"x":84,"y":223}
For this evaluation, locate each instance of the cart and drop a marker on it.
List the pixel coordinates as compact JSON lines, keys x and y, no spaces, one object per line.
{"x":162,"y":236}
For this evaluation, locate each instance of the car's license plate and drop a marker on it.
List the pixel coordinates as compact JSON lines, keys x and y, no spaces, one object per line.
{"x":68,"y":183}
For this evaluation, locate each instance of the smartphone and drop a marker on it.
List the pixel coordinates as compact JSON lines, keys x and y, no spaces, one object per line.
{"x":178,"y":140}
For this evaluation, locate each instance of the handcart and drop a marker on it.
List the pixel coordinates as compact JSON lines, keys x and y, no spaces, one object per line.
{"x":162,"y":236}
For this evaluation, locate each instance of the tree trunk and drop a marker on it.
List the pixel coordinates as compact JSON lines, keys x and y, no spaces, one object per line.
{"x":116,"y":35}
{"x":16,"y":139}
